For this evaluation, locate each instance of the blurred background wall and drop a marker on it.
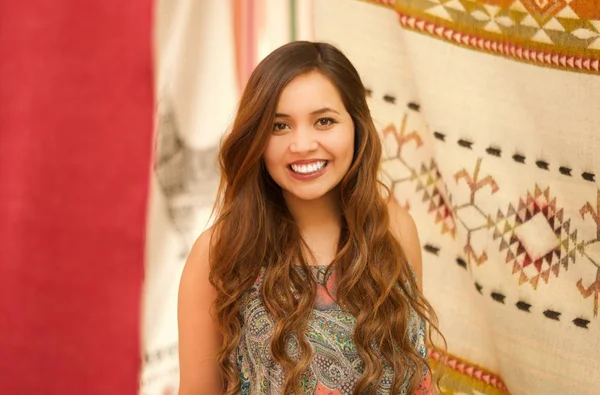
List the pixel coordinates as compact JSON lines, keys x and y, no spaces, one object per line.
{"x":76,"y":105}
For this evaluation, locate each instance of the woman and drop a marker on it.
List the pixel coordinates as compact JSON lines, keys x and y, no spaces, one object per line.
{"x":303,"y":284}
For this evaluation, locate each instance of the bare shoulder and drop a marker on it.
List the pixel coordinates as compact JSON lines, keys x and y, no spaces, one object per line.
{"x":197,"y":266}
{"x":199,"y":253}
{"x":404,"y":229}
{"x":199,"y":337}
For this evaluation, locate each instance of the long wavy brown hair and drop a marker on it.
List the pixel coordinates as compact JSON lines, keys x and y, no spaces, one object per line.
{"x":253,"y":228}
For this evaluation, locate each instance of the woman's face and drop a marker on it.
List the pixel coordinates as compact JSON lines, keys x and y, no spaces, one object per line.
{"x":312,"y":142}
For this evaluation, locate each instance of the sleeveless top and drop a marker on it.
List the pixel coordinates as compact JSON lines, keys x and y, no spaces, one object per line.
{"x":336,"y":365}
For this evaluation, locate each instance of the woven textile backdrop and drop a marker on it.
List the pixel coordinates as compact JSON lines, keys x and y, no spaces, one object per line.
{"x":491,"y":113}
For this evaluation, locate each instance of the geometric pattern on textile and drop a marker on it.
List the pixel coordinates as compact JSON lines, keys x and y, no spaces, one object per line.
{"x":538,"y":241}
{"x":583,"y":249}
{"x":536,"y":237}
{"x":470,"y":215}
{"x":395,"y":167}
{"x":462,"y":377}
{"x":563,"y":34}
{"x":532,"y":233}
{"x":429,"y":183}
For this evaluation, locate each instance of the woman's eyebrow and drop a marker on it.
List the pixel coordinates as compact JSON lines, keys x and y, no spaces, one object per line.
{"x":316,"y":112}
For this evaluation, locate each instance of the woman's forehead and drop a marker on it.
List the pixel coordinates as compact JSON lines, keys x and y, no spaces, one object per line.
{"x":309,"y":94}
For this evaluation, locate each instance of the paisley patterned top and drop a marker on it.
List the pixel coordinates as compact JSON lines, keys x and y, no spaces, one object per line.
{"x":335,"y":366}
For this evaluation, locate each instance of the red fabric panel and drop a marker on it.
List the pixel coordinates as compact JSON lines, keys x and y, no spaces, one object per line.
{"x":76,"y":111}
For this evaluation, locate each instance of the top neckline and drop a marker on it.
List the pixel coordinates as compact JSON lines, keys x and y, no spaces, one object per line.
{"x":319,"y":267}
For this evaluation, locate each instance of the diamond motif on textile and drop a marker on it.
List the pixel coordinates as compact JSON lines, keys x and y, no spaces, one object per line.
{"x":536,"y":237}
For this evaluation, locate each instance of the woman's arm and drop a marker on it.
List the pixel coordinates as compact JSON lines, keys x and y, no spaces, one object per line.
{"x":199,"y":338}
{"x":405,"y":230}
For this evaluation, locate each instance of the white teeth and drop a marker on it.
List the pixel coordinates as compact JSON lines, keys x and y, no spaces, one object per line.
{"x":308,"y":169}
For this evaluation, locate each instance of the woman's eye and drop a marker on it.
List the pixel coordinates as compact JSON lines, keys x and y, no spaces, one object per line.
{"x":279,"y":126}
{"x":325,"y":122}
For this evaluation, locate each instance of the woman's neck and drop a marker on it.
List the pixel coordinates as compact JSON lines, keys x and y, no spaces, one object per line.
{"x":312,"y":215}
{"x":319,"y":222}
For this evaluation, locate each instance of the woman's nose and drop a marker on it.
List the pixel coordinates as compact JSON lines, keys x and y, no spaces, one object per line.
{"x":303,"y":141}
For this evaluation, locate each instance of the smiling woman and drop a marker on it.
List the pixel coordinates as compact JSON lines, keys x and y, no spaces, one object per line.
{"x":312,"y":139}
{"x":303,"y":285}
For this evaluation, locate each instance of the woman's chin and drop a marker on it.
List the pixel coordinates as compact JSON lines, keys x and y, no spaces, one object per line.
{"x":307,"y":194}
